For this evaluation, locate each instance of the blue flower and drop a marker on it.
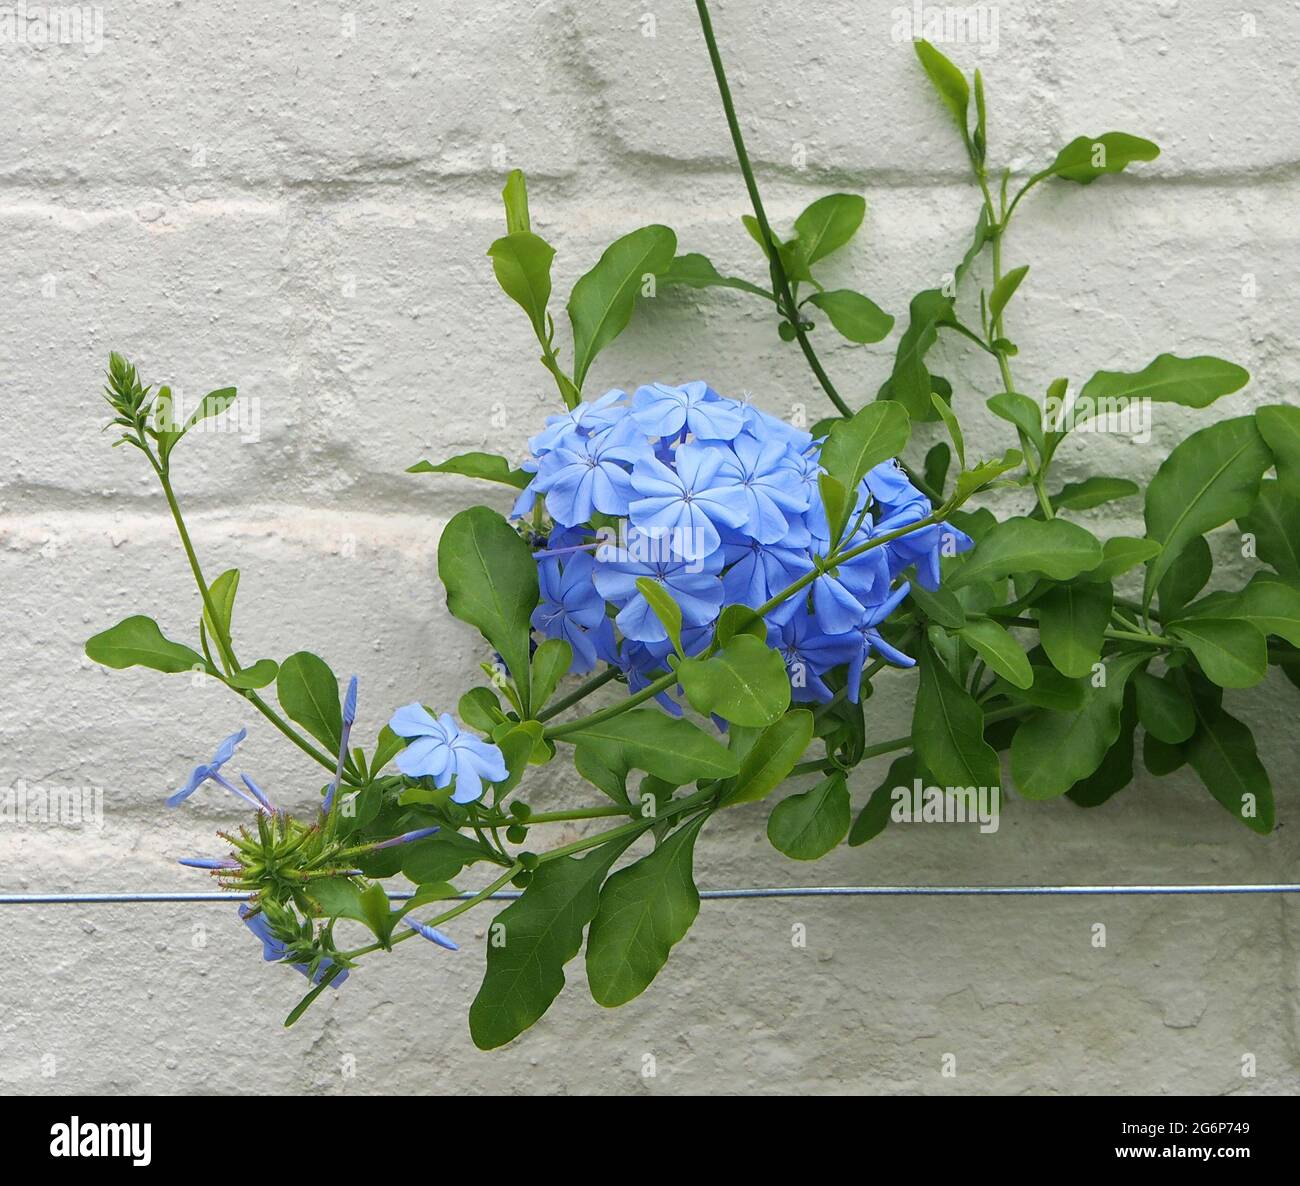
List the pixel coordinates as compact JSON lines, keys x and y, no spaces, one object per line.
{"x":274,"y":949}
{"x":583,"y":475}
{"x":809,"y":653}
{"x":694,"y":585}
{"x":570,"y":606}
{"x":211,"y":772}
{"x":871,"y":640}
{"x":440,"y":750}
{"x":765,"y":427}
{"x":590,"y":417}
{"x":768,"y":490}
{"x":757,"y":572}
{"x":431,"y":933}
{"x":349,"y":719}
{"x":683,"y":506}
{"x":406,"y":838}
{"x":663,"y":411}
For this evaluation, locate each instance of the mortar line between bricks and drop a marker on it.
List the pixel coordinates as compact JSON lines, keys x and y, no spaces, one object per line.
{"x":791,"y":891}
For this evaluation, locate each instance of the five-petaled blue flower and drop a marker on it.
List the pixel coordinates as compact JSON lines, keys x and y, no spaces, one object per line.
{"x":585,"y":474}
{"x":440,"y":750}
{"x":211,"y":772}
{"x":693,"y":584}
{"x":663,"y":411}
{"x":684,"y":505}
{"x":570,"y":607}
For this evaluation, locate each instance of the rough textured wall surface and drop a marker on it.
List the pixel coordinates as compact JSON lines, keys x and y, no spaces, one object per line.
{"x":296,"y":198}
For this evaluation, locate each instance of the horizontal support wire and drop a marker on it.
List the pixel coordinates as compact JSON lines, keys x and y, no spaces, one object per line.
{"x":790,"y":891}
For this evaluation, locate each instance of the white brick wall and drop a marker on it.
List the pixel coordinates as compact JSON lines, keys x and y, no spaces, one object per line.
{"x":239,"y":193}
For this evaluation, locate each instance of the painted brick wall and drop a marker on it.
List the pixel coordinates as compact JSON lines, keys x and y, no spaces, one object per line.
{"x":297,"y":199}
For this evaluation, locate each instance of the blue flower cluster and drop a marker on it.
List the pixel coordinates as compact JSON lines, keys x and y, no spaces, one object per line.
{"x":719,"y":503}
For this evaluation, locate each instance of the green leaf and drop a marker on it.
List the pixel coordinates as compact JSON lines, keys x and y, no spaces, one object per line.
{"x":772,"y":757}
{"x":488,"y":466}
{"x":1121,"y":553}
{"x":515,"y":197}
{"x":999,"y":650}
{"x":1116,"y":769}
{"x":601,"y":303}
{"x":937,"y":460}
{"x":947,"y":80}
{"x":1222,"y":752}
{"x":1050,"y":689}
{"x":389,"y":745}
{"x":1092,"y":492}
{"x":551,"y":663}
{"x":828,"y":224}
{"x":739,"y":619}
{"x":1211,"y":477}
{"x":339,"y":897}
{"x":491,"y":581}
{"x":222,"y":595}
{"x":1052,"y":751}
{"x":1279,"y":425}
{"x":644,"y":910}
{"x":1164,"y":711}
{"x":1185,"y":579}
{"x":1271,"y":606}
{"x":857,"y":318}
{"x":260,"y":675}
{"x":1072,"y":621}
{"x":971,"y":481}
{"x":874,"y":434}
{"x":1053,"y":547}
{"x":522,"y":263}
{"x":874,"y":817}
{"x":696,"y":271}
{"x":940,"y":606}
{"x":806,"y":827}
{"x":948,"y":729}
{"x":911,"y":383}
{"x":212,"y":404}
{"x":309,"y":694}
{"x":439,"y":857}
{"x":533,"y":938}
{"x":1234,"y":654}
{"x":954,"y":429}
{"x":1088,"y":157}
{"x":1274,"y":521}
{"x":744,"y":683}
{"x":137,"y":642}
{"x":670,"y":748}
{"x":1192,"y":382}
{"x":1003,"y":291}
{"x":665,"y":609}
{"x":1023,"y":412}
{"x":835,"y":502}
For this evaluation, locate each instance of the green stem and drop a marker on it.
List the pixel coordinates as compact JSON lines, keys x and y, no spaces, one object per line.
{"x":779,"y":279}
{"x":224,"y":646}
{"x":580,"y":693}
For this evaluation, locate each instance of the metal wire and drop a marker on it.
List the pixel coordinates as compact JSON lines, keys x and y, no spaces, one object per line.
{"x":790,"y":891}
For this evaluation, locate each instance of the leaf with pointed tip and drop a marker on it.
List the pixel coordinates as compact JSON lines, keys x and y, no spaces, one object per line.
{"x":1052,"y":751}
{"x":873,"y":434}
{"x":1193,"y":382}
{"x":771,"y":757}
{"x":1053,"y":547}
{"x":1086,"y":158}
{"x":1072,"y":621}
{"x":1004,"y":290}
{"x":1211,"y":477}
{"x":138,"y":642}
{"x":551,"y":663}
{"x":1234,"y":654}
{"x":1162,"y":708}
{"x":910,"y":383}
{"x":1279,"y":425}
{"x":996,"y":646}
{"x":948,"y":728}
{"x":1274,"y":521}
{"x":644,"y":910}
{"x":1222,"y":752}
{"x":522,"y":263}
{"x":601,"y":303}
{"x":827,"y":224}
{"x":487,"y":466}
{"x":540,"y":932}
{"x":670,"y":748}
{"x":694,"y":270}
{"x":947,"y":80}
{"x":515,"y":197}
{"x":854,"y":316}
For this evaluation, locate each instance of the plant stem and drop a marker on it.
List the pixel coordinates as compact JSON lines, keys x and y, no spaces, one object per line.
{"x":224,"y":645}
{"x":580,"y":693}
{"x":781,"y":283}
